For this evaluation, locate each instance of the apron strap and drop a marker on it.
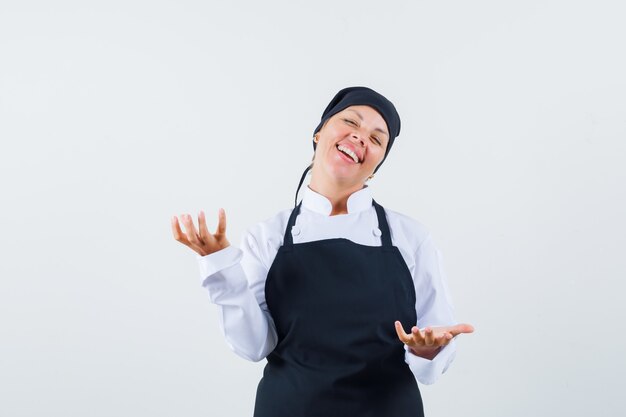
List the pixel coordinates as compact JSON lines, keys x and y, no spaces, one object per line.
{"x":383,"y":225}
{"x":295,"y":199}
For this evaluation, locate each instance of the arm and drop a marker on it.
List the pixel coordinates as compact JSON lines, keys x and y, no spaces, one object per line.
{"x":434,"y":308}
{"x":244,"y":320}
{"x":235,"y":281}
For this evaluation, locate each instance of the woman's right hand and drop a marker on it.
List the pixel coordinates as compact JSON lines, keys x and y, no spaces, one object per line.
{"x":202,"y":242}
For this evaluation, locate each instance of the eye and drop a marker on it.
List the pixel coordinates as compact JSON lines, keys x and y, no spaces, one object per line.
{"x":377,"y":140}
{"x":350,"y":121}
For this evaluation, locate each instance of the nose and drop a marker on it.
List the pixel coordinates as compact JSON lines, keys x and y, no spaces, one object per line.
{"x":356,"y":136}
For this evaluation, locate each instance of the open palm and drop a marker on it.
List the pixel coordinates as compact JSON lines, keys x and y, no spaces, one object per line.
{"x":201,"y":240}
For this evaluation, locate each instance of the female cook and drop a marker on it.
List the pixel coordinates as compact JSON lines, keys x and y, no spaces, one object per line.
{"x":324,"y":290}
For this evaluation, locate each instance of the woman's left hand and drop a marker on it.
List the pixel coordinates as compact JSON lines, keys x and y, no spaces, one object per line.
{"x":428,"y":342}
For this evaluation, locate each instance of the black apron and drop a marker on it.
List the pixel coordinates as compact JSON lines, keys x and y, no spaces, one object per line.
{"x":334,"y":303}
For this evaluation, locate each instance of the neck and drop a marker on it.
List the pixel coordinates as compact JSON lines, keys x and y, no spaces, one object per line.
{"x":336,"y":192}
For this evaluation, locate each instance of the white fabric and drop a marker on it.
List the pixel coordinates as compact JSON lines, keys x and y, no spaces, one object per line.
{"x":235,"y":277}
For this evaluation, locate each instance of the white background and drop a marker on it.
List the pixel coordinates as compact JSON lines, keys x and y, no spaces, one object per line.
{"x":116,"y":115}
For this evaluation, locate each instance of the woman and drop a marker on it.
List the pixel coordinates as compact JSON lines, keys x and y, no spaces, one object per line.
{"x":323,"y":291}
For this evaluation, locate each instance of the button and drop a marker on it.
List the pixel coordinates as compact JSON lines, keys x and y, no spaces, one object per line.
{"x":295,"y":230}
{"x":377,"y":232}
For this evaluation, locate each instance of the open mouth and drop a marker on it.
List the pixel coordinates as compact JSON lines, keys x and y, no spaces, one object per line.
{"x":349,"y":153}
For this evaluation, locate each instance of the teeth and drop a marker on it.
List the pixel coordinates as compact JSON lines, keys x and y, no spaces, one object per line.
{"x":348,"y":152}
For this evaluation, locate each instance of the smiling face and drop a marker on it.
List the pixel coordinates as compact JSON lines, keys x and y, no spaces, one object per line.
{"x":351,"y":145}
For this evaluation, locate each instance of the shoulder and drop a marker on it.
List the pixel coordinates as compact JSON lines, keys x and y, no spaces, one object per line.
{"x":262,"y":240}
{"x":407,"y":229}
{"x":267,"y":235}
{"x":274,"y":224}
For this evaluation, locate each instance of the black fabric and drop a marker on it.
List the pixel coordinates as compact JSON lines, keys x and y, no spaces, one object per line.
{"x":353,"y":96}
{"x":334,"y":303}
{"x":307,"y":169}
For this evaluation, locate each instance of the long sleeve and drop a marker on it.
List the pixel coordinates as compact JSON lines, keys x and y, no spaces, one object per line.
{"x":434,"y":308}
{"x":235,"y":281}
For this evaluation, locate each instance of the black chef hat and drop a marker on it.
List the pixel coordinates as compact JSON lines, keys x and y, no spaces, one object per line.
{"x":353,"y":96}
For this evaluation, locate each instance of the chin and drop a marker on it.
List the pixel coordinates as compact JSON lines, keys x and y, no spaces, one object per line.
{"x":343,"y":174}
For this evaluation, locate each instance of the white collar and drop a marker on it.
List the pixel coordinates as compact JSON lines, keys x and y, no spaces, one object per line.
{"x":358,"y":201}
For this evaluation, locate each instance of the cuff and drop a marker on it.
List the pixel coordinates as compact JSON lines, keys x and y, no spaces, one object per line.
{"x":428,"y":371}
{"x":214,"y":262}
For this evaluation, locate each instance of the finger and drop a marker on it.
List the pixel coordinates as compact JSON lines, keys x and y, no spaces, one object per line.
{"x":460,"y":328}
{"x":467,"y":328}
{"x":401,"y":334}
{"x":190,"y":230}
{"x":205,"y":236}
{"x":418,"y":336}
{"x":177,"y":232}
{"x":429,"y":336}
{"x":221,"y":224}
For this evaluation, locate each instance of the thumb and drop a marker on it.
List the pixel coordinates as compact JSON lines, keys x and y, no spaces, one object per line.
{"x":461,"y":328}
